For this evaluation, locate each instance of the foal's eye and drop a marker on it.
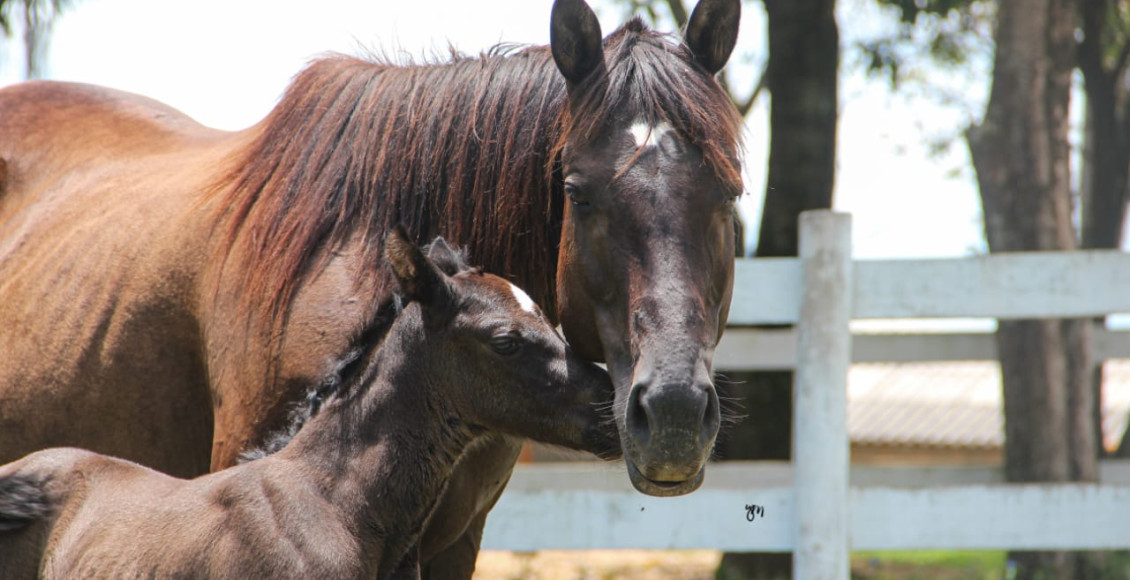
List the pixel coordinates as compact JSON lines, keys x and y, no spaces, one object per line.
{"x":576,"y":196}
{"x":505,"y":345}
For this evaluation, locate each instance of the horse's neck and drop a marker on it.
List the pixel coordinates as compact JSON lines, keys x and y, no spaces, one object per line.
{"x":382,"y":455}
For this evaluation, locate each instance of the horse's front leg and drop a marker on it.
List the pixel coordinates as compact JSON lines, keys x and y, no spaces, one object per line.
{"x":450,"y":543}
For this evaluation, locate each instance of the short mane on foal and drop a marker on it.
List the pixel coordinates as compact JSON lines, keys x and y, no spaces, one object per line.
{"x":354,"y":368}
{"x":464,"y":149}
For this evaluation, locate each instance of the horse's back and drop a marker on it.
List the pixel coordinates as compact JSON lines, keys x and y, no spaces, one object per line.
{"x":89,"y":120}
{"x":79,"y":493}
{"x":56,"y":473}
{"x":51,"y":129}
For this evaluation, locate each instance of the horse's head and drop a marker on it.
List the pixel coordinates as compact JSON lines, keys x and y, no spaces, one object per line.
{"x":501,"y":364}
{"x":650,"y":169}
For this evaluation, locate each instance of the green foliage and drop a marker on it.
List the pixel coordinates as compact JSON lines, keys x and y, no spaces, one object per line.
{"x":911,"y":10}
{"x":35,"y":19}
{"x":28,"y":10}
{"x":6,"y":17}
{"x":1115,"y":36}
{"x":961,"y":565}
{"x":944,"y":32}
{"x":645,"y":7}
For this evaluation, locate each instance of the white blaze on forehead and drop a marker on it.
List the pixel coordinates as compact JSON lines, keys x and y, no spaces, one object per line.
{"x":524,"y":300}
{"x":647,"y":136}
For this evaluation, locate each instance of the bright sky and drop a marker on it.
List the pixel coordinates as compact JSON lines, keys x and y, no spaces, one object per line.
{"x":226,"y":63}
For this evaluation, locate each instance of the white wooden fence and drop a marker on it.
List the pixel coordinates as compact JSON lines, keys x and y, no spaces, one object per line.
{"x":818,"y":506}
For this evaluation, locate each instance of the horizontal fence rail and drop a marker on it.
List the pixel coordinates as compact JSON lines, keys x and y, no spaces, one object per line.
{"x":582,"y":506}
{"x":1012,"y":286}
{"x":757,"y":349}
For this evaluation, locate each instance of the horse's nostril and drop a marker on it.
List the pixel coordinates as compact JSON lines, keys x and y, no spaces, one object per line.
{"x":711,"y":415}
{"x":639,"y":425}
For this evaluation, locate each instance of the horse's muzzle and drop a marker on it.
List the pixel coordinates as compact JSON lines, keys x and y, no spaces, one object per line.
{"x":669,"y":435}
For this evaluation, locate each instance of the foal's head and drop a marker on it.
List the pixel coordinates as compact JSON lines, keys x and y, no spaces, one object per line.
{"x":497,"y":360}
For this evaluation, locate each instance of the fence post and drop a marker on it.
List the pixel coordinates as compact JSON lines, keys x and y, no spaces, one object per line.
{"x":820,"y":439}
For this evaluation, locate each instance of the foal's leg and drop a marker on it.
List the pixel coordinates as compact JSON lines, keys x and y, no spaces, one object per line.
{"x":409,"y":567}
{"x":457,"y":561}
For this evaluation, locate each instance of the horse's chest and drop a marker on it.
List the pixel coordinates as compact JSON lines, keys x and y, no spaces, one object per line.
{"x":474,"y":486}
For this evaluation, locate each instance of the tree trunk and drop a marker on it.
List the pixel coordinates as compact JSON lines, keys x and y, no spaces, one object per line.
{"x":1021,"y":155}
{"x":801,"y":78}
{"x":1106,"y":155}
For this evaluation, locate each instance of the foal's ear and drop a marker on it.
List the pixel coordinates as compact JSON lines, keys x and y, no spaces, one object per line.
{"x":448,"y":260}
{"x":712,"y":32}
{"x":575,"y":40}
{"x":420,"y":280}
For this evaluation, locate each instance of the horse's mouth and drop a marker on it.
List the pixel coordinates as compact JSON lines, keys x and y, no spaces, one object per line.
{"x":663,"y":488}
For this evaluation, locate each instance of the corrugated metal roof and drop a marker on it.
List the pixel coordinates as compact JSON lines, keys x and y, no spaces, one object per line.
{"x":953,"y":404}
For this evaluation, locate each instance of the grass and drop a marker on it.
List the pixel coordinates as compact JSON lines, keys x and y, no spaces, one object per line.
{"x":929,"y":565}
{"x":960,"y":565}
{"x":701,"y":565}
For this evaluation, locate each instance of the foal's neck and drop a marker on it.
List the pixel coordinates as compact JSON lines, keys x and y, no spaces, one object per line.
{"x":382,"y":451}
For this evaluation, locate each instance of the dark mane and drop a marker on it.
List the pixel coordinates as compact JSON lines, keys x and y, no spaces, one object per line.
{"x":465,"y":149}
{"x":350,"y":370}
{"x":456,"y":149}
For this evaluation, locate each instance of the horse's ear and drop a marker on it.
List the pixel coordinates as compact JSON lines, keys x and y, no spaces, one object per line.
{"x":712,"y":32}
{"x":448,"y":260}
{"x":575,"y":40}
{"x":420,"y":280}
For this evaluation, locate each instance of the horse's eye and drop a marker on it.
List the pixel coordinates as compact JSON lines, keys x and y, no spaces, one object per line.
{"x":576,"y":196}
{"x":505,"y":345}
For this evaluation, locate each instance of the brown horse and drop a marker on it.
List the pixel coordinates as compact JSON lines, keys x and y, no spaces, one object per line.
{"x":168,"y":290}
{"x":467,"y":355}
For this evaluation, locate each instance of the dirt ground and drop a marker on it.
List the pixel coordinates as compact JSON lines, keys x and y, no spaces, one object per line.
{"x":598,"y":565}
{"x":700,"y":565}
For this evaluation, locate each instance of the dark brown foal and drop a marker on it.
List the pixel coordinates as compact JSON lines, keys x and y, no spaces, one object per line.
{"x":468,"y":356}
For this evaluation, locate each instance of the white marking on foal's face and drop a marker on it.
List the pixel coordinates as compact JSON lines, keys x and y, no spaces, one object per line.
{"x":646,"y":136}
{"x":524,"y":300}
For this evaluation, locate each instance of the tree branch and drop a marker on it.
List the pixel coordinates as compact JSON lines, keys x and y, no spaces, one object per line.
{"x":1090,"y":48}
{"x":746,"y":105}
{"x":1123,"y":58}
{"x":679,"y":12}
